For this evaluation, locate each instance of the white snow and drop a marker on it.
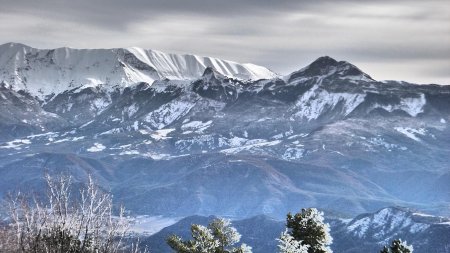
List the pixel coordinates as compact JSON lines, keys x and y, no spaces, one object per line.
{"x":16,"y":144}
{"x":293,"y":153}
{"x":385,"y":221}
{"x":204,"y":141}
{"x":413,"y":105}
{"x":96,"y":148}
{"x":157,"y":156}
{"x":131,"y":110}
{"x":418,"y":227}
{"x":86,"y":124}
{"x":360,"y":226}
{"x":51,"y":134}
{"x":249,"y":146}
{"x":379,"y":141}
{"x":238,"y":141}
{"x":112,"y":131}
{"x":411,"y":132}
{"x":136,"y":125}
{"x":62,"y":140}
{"x":161,"y":134}
{"x":43,"y":72}
{"x":196,"y":126}
{"x":78,"y":138}
{"x":278,"y":136}
{"x":316,"y":101}
{"x":263,"y":119}
{"x":443,"y":121}
{"x":422,"y":215}
{"x":129,"y":152}
{"x":99,"y":105}
{"x":169,"y":112}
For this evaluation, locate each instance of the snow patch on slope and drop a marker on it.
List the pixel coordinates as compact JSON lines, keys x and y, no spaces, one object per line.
{"x":178,"y":67}
{"x":316,"y":101}
{"x":170,"y":112}
{"x":250,"y":145}
{"x":16,"y":144}
{"x":196,"y":126}
{"x":383,"y":222}
{"x":413,"y":105}
{"x":161,"y":134}
{"x":411,"y":132}
{"x":96,"y":148}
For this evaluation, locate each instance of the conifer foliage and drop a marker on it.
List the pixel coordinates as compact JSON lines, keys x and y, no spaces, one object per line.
{"x":398,"y":246}
{"x":287,"y":244}
{"x":218,"y":237}
{"x":309,"y":229}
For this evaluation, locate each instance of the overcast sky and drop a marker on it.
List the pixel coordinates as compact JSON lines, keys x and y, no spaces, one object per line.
{"x":388,"y":39}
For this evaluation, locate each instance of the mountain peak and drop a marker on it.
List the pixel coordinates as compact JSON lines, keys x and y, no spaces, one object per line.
{"x":327,"y":66}
{"x":208,"y":71}
{"x":211,"y":74}
{"x":12,"y":44}
{"x":324,"y":61}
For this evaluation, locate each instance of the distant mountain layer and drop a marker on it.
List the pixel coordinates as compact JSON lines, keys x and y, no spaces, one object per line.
{"x":326,"y":136}
{"x":46,"y":72}
{"x":365,"y":233}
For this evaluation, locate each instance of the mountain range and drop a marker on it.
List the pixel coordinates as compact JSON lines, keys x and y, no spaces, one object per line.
{"x":181,"y":135}
{"x":367,"y":232}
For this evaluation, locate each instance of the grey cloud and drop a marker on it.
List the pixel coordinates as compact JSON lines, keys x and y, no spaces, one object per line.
{"x":283,"y":35}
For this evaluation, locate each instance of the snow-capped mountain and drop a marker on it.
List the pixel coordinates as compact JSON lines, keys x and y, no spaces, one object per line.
{"x":370,"y":232}
{"x":364,"y":233}
{"x":221,"y":142}
{"x":49,"y":72}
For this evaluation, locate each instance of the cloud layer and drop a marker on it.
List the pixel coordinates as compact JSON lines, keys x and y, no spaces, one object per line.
{"x":402,"y":40}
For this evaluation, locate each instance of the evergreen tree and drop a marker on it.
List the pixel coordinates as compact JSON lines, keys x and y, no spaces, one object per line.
{"x":218,"y":237}
{"x":398,"y":246}
{"x":289,"y":245}
{"x":309,"y":229}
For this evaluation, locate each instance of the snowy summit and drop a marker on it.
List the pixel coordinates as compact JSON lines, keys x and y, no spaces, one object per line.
{"x":43,"y":72}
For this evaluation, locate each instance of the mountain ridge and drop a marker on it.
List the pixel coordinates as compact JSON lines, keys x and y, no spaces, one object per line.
{"x":363,"y":233}
{"x":329,"y":138}
{"x":44,"y":72}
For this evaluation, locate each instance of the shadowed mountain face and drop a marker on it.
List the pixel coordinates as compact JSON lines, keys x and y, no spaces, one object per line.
{"x":327,"y":136}
{"x":365,"y":233}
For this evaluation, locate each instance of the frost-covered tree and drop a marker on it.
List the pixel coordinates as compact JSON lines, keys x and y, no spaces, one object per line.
{"x":65,"y":220}
{"x":288,"y":244}
{"x":218,"y":237}
{"x":398,"y":246}
{"x":309,"y":228}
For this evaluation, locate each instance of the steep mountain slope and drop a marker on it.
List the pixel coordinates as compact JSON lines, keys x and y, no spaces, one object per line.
{"x":327,"y":136}
{"x":44,"y":73}
{"x":369,"y":232}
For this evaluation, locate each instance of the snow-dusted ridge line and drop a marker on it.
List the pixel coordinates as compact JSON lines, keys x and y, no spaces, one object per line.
{"x":43,"y":72}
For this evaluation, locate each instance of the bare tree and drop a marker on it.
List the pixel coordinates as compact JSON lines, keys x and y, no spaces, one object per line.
{"x":66,"y":221}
